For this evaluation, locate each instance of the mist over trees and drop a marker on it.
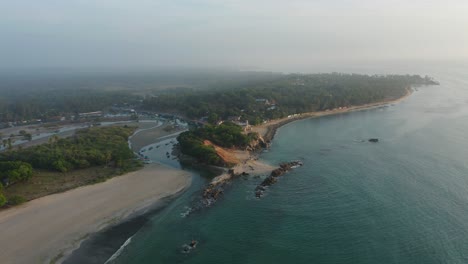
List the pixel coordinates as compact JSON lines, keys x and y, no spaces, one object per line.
{"x":290,"y":94}
{"x":47,"y":95}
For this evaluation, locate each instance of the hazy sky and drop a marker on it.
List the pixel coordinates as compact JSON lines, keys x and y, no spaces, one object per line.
{"x":247,"y":34}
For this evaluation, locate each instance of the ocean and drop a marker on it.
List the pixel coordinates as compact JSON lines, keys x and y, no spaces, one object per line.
{"x":401,"y":200}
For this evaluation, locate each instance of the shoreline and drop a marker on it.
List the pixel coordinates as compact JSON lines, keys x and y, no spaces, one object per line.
{"x":248,"y":160}
{"x":120,"y":232}
{"x":54,"y":226}
{"x":60,"y":222}
{"x":268,"y":130}
{"x":97,"y":207}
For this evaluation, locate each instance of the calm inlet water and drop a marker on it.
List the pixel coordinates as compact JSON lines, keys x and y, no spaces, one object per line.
{"x":402,"y":200}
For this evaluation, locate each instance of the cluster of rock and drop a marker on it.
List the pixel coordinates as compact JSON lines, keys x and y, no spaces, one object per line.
{"x":215,"y":189}
{"x":257,"y":144}
{"x":273,"y":178}
{"x":212,"y":193}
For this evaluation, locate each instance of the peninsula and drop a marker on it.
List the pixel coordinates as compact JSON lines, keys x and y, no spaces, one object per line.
{"x":229,"y":126}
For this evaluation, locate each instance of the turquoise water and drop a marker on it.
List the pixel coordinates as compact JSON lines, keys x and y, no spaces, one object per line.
{"x":402,"y":200}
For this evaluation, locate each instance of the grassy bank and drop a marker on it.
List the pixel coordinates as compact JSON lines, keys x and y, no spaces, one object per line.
{"x":45,"y":182}
{"x":90,"y":156}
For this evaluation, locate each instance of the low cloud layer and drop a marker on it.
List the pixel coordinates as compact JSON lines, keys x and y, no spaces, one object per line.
{"x":239,"y":34}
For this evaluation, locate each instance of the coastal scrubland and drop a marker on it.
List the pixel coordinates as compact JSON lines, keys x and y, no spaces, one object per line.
{"x":91,"y":155}
{"x":228,"y":135}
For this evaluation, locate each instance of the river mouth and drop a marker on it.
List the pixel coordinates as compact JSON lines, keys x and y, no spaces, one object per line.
{"x":400,"y":200}
{"x":353,"y":201}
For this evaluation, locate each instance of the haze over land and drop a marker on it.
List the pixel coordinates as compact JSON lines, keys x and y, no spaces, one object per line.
{"x":304,"y":131}
{"x":275,"y":35}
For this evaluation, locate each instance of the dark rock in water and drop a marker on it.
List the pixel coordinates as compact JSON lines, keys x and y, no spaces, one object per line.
{"x":270,"y":180}
{"x":374,"y":140}
{"x":244,"y":173}
{"x":277,"y":172}
{"x":258,"y":194}
{"x":260,"y":188}
{"x":273,"y":178}
{"x":187,"y":248}
{"x":212,"y":193}
{"x":193,"y":244}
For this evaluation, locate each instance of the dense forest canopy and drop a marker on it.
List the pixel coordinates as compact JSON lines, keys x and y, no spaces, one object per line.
{"x":195,"y":94}
{"x":290,"y":94}
{"x":48,"y":94}
{"x":44,"y":104}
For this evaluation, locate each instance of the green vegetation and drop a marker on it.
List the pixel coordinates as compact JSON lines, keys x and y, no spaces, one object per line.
{"x":16,"y":200}
{"x":3,"y":200}
{"x":40,"y":104}
{"x":95,"y":147}
{"x":14,"y":171}
{"x":45,"y":182}
{"x":89,"y":147}
{"x":226,"y":135}
{"x":47,"y":95}
{"x":193,"y":146}
{"x":280,"y":97}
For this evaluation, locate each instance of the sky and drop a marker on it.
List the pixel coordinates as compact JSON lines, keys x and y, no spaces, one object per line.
{"x":292,"y":35}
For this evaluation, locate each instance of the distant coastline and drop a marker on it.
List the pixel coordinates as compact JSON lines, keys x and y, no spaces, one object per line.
{"x":175,"y":182}
{"x":248,"y":160}
{"x":268,"y":129}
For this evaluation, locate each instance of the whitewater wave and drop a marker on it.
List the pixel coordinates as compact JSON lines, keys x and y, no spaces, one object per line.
{"x":119,"y":251}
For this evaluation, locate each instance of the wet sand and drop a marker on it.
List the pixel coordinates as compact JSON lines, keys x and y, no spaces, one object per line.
{"x":150,"y":135}
{"x":52,"y":226}
{"x":47,"y":229}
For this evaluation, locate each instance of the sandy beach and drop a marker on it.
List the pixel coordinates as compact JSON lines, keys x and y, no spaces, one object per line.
{"x":149,"y":135}
{"x":268,"y":129}
{"x":49,"y":228}
{"x":247,"y":161}
{"x":46,"y":229}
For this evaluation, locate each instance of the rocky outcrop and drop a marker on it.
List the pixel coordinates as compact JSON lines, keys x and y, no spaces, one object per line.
{"x":275,"y":174}
{"x":212,"y":193}
{"x":257,"y":144}
{"x":215,"y":189}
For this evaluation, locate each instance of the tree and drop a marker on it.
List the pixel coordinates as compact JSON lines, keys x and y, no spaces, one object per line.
{"x":88,"y":147}
{"x":10,"y":146}
{"x":3,"y":200}
{"x":213,"y":118}
{"x":13,"y":171}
